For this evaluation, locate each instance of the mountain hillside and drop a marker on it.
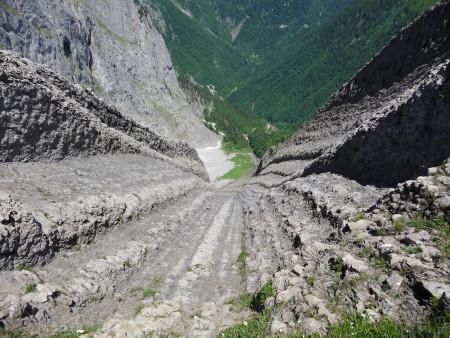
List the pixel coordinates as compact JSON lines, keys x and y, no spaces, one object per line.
{"x":112,"y":47}
{"x":316,"y":65}
{"x":275,"y":61}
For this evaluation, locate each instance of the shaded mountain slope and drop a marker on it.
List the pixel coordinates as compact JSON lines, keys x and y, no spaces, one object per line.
{"x":356,"y":128}
{"x":304,"y":77}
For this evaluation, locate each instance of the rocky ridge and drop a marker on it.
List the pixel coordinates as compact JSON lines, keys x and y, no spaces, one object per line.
{"x":396,"y":125}
{"x":44,"y":117}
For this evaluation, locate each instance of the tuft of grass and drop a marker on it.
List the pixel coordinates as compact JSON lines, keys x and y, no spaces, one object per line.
{"x":242,"y":165}
{"x":138,"y":309}
{"x":88,"y":330}
{"x":241,"y":260}
{"x":22,"y":266}
{"x":381,"y":263}
{"x":148,"y":292}
{"x":244,"y":301}
{"x":359,"y":216}
{"x":311,"y":312}
{"x":256,"y":327}
{"x":260,"y":298}
{"x":336,"y":264}
{"x":367,"y":252}
{"x":151,"y":289}
{"x":311,"y":281}
{"x":400,"y":225}
{"x":31,"y":287}
{"x":412,"y":250}
{"x":356,"y":325}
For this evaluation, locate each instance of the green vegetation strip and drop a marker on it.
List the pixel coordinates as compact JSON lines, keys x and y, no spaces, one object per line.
{"x":351,"y":325}
{"x":242,"y":165}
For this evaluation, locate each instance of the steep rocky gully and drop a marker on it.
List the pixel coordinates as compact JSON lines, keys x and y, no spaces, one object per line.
{"x":104,"y":222}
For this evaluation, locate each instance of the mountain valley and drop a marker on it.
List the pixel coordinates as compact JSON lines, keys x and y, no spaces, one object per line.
{"x":131,"y":200}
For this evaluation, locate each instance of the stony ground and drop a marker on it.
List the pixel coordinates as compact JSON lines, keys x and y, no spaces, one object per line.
{"x":174,"y":270}
{"x":330,"y":246}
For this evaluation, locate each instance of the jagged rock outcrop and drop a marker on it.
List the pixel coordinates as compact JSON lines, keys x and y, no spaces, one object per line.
{"x":44,"y":117}
{"x":393,"y":117}
{"x":61,"y":127}
{"x":112,"y":47}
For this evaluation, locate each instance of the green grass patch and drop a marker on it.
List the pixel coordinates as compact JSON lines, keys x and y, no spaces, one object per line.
{"x":256,"y":327}
{"x":438,"y":225}
{"x":381,"y":263}
{"x":400,"y":225}
{"x":355,"y":325}
{"x":244,"y":301}
{"x":260,"y":298}
{"x":151,"y":289}
{"x":241,"y":260}
{"x":88,"y":330}
{"x":359,"y":216}
{"x":242,"y":165}
{"x":336,"y":264}
{"x":138,"y":309}
{"x":4,"y":333}
{"x":231,"y":148}
{"x":359,"y":326}
{"x":31,"y":287}
{"x":148,"y":292}
{"x":412,"y":250}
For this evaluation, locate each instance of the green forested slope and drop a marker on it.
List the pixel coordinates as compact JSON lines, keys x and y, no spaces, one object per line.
{"x":202,"y":49}
{"x":287,"y":60}
{"x":303,"y":80}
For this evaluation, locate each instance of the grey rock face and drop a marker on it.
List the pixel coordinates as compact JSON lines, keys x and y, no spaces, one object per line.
{"x":112,"y":47}
{"x":51,"y":207}
{"x":44,"y":117}
{"x":391,"y":122}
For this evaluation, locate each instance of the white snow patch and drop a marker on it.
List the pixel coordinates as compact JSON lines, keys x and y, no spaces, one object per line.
{"x":217,"y":163}
{"x":236,"y":30}
{"x":212,"y":89}
{"x":182,"y":10}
